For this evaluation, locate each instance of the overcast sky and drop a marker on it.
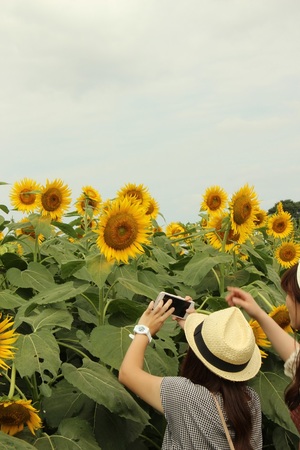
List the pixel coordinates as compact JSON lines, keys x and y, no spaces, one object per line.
{"x":176,"y":95}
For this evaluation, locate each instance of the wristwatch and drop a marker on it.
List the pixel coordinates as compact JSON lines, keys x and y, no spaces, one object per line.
{"x":142,"y":329}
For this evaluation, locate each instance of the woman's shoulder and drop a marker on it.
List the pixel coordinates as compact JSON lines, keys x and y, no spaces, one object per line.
{"x":183,"y":385}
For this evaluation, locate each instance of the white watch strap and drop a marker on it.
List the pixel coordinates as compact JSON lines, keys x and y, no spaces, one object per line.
{"x":146,"y":333}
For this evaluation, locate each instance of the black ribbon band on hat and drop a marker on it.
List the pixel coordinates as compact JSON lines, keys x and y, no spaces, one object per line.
{"x":211,"y":358}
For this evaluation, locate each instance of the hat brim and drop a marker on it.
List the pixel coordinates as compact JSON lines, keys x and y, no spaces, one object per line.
{"x":298,"y":274}
{"x":252,"y":368}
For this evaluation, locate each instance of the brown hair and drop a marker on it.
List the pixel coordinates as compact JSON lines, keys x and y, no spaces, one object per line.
{"x":290,"y":286}
{"x":234,"y":395}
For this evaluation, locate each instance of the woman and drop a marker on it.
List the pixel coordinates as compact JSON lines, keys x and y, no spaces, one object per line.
{"x":285,"y":345}
{"x":222,"y":356}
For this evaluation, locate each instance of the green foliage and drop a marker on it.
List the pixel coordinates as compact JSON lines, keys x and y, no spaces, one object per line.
{"x":290,"y":206}
{"x":74,"y":312}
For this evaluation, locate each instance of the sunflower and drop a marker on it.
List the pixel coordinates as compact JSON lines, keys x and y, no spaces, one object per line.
{"x":55,"y":199}
{"x":279,"y":208}
{"x":28,"y":230}
{"x":14,"y":414}
{"x":1,"y":235}
{"x":260,"y":336}
{"x":89,"y":199}
{"x":280,"y":225}
{"x":260,"y":219}
{"x":281,"y":316}
{"x":24,"y":195}
{"x":123,"y":228}
{"x":214,"y":199}
{"x":7,"y":338}
{"x":153,"y":208}
{"x":244,"y":206}
{"x":288,"y":254}
{"x":220,"y":222}
{"x":137,"y":192}
{"x":175,"y":230}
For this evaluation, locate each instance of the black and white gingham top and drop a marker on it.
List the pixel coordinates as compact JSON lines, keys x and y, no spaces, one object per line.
{"x":193,"y":421}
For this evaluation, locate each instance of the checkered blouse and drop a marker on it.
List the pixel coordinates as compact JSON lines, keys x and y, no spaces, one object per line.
{"x":193,"y":421}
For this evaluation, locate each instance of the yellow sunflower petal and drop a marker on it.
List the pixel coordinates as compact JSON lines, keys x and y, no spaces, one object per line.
{"x":244,"y":206}
{"x":14,"y":414}
{"x":280,"y":225}
{"x":89,"y":199}
{"x":137,"y":192}
{"x":214,"y":199}
{"x":281,"y":316}
{"x":24,"y":195}
{"x":55,"y":199}
{"x":288,"y":254}
{"x":123,"y":229}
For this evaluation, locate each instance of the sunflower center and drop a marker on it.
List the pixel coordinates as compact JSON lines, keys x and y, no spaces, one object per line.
{"x":26,"y":197}
{"x":279,"y":225}
{"x":89,"y":202}
{"x":51,"y":199}
{"x":28,"y":231}
{"x":214,"y":202}
{"x":120,"y":231}
{"x":242,"y":210}
{"x":287,"y":253}
{"x":14,"y":415}
{"x":259,"y":219}
{"x":282,"y":318}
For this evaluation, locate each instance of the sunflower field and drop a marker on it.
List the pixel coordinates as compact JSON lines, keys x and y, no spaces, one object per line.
{"x":75,"y":278}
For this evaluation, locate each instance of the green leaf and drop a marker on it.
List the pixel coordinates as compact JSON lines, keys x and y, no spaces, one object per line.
{"x":65,"y":402}
{"x":71,"y":267}
{"x":9,"y":300}
{"x":37,"y":352}
{"x":99,"y":269}
{"x":162,"y":257}
{"x":139,"y":288}
{"x":110,"y":344}
{"x":98,"y":383}
{"x":270,"y":386}
{"x":197,"y":269}
{"x":59,"y":293}
{"x":36,"y":277}
{"x":50,"y":318}
{"x":12,"y":260}
{"x":114,"y":432}
{"x":12,"y":443}
{"x":66,"y":228}
{"x":4,"y":207}
{"x":74,"y":434}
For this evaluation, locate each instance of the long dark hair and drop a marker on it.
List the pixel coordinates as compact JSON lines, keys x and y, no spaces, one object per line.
{"x":234,"y":395}
{"x":290,"y":286}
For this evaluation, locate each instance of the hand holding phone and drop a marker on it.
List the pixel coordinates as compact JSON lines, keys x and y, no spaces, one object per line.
{"x":180,"y":304}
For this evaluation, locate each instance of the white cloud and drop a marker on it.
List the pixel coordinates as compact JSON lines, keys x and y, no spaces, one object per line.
{"x":178,"y":96}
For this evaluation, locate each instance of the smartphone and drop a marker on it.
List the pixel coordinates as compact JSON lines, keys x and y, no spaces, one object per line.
{"x":180,"y":304}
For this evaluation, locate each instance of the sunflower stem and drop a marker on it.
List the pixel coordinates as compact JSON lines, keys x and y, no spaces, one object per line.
{"x":12,"y":381}
{"x":76,"y":350}
{"x":36,"y":249}
{"x":16,"y":388}
{"x":217,"y":278}
{"x":270,"y":306}
{"x":101,"y":311}
{"x":222,"y":274}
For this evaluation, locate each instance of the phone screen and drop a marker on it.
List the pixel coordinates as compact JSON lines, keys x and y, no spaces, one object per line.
{"x":180,"y":305}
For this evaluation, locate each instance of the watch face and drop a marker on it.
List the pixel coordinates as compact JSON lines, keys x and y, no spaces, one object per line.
{"x":141,"y":328}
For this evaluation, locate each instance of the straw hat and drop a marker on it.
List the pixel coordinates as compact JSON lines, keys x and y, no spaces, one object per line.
{"x":225,"y":343}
